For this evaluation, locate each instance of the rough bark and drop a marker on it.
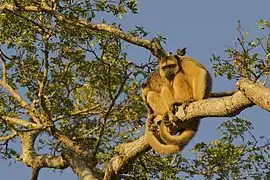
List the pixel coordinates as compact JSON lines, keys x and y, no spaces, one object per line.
{"x":257,"y":93}
{"x":83,"y":169}
{"x":217,"y":107}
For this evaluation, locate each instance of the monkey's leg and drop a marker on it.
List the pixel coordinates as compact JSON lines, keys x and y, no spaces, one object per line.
{"x":183,"y":138}
{"x":158,"y":146}
{"x":202,"y":84}
{"x":156,"y":103}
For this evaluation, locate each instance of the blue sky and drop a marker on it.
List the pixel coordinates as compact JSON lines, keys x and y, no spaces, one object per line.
{"x":204,"y":27}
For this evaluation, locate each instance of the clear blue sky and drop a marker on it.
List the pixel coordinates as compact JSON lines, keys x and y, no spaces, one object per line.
{"x":204,"y":27}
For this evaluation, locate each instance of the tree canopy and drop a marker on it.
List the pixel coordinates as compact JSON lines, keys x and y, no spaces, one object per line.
{"x":71,"y":97}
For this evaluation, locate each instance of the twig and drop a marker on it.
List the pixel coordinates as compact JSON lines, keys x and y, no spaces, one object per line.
{"x":4,"y":67}
{"x":153,"y":45}
{"x":31,"y":110}
{"x":8,"y":137}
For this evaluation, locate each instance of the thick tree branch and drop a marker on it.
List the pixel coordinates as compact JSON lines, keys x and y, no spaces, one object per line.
{"x":125,"y":154}
{"x":83,"y":169}
{"x":32,"y":159}
{"x":35,"y":172}
{"x":217,"y":107}
{"x":153,"y":46}
{"x":255,"y":92}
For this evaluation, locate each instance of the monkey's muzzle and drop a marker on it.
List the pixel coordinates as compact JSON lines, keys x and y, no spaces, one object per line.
{"x":169,"y":76}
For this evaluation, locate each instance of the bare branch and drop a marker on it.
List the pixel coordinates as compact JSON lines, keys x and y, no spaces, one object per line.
{"x":70,"y":144}
{"x":101,"y":132}
{"x":42,"y":84}
{"x":83,"y":169}
{"x":125,"y":154}
{"x":256,"y":92}
{"x":34,"y":160}
{"x":153,"y":46}
{"x":87,"y":111}
{"x":4,"y":68}
{"x":9,"y":137}
{"x":216,"y":107}
{"x":35,"y":172}
{"x":13,"y":120}
{"x":35,"y":115}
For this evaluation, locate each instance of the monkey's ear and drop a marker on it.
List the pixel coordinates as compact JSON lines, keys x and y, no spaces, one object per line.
{"x":177,"y":57}
{"x":181,"y":52}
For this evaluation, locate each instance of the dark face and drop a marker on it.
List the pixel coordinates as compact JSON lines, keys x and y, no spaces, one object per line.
{"x":169,"y":71}
{"x":169,"y":67}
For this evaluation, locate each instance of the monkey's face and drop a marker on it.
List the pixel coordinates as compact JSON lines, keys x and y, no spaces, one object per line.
{"x":169,"y":68}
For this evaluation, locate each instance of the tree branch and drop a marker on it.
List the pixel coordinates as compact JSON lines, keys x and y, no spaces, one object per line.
{"x":31,"y":111}
{"x":4,"y":68}
{"x":13,"y":120}
{"x":255,"y":92}
{"x":216,"y":107}
{"x":80,"y":167}
{"x":153,"y":46}
{"x":70,"y":144}
{"x":125,"y":154}
{"x":86,"y":111}
{"x":35,"y":172}
{"x":8,"y":137}
{"x":34,"y":160}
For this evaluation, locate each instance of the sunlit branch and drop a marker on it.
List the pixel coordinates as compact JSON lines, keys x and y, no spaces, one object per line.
{"x":84,"y":112}
{"x":153,"y":46}
{"x":4,"y":68}
{"x":31,"y":110}
{"x":257,"y":93}
{"x":216,"y":107}
{"x":42,"y":84}
{"x":69,"y":143}
{"x":34,"y":160}
{"x":21,"y":122}
{"x":9,"y":137}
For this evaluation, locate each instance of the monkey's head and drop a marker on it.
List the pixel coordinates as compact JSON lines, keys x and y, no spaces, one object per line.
{"x":169,"y":66}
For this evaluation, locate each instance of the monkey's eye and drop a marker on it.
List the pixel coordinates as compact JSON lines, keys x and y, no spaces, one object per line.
{"x":171,"y":66}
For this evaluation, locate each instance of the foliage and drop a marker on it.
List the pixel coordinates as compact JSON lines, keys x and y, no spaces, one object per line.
{"x":85,"y":83}
{"x":248,"y":59}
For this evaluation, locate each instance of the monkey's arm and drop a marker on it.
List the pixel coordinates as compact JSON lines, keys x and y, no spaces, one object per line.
{"x":156,"y":145}
{"x":199,"y":78}
{"x":202,"y":85}
{"x":181,"y":139}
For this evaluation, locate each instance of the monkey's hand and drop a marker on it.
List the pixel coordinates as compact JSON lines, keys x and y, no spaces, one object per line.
{"x":153,"y":121}
{"x":170,"y":119}
{"x":176,"y":104}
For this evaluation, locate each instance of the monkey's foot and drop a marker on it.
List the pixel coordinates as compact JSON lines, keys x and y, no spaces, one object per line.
{"x":151,"y":122}
{"x":170,"y":119}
